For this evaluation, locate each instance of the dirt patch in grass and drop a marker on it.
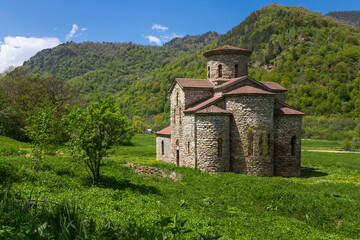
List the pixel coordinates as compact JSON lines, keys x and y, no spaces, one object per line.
{"x":153,"y":171}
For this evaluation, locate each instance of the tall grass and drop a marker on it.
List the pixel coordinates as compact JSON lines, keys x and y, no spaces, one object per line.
{"x":323,"y":203}
{"x":30,"y":219}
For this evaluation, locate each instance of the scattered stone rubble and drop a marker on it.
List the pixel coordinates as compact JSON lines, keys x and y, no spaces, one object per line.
{"x":153,"y":171}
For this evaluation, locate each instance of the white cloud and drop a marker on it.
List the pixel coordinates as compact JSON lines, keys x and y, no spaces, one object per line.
{"x":159,"y":27}
{"x":164,"y":36}
{"x":15,"y":50}
{"x":153,"y":39}
{"x":74,"y":32}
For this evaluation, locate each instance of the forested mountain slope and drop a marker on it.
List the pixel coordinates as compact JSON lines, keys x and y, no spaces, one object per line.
{"x":314,"y":56}
{"x":348,"y":17}
{"x":109,"y":67}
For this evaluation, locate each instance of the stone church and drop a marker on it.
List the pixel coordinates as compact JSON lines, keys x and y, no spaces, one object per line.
{"x":231,"y":122}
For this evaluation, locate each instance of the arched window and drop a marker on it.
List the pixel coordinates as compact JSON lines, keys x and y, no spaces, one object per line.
{"x":250,"y":143}
{"x":220,"y":71}
{"x":293,"y":143}
{"x":261,"y":144}
{"x":174,"y":114}
{"x":236,"y":71}
{"x":177,"y":98}
{"x":219,"y":147}
{"x":162,"y":147}
{"x":188,"y":147}
{"x":177,"y":153}
{"x":208,"y":73}
{"x":179,"y":115}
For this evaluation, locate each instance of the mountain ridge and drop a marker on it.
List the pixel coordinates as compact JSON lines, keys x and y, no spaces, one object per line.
{"x":314,"y":56}
{"x":347,"y":17}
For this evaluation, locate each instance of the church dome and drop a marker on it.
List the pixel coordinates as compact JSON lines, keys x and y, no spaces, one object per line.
{"x":227,"y":49}
{"x":226,"y":62}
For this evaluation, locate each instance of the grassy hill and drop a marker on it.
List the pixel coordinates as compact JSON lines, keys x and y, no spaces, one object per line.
{"x":136,"y":191}
{"x":314,"y":56}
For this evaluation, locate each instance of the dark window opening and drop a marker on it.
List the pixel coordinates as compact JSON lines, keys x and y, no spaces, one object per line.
{"x":177,"y":98}
{"x":208,"y":73}
{"x":180,"y":116}
{"x":220,"y":71}
{"x":219,"y":147}
{"x":177,"y":157}
{"x":250,"y":143}
{"x":189,"y":147}
{"x":236,"y":71}
{"x":261,"y":144}
{"x":174,"y":114}
{"x":162,"y":147}
{"x":293,"y":143}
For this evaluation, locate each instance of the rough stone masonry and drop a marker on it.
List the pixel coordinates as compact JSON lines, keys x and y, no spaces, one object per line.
{"x":231,"y":122}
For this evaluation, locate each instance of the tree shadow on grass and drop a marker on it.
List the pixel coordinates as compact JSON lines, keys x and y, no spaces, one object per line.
{"x":121,"y":184}
{"x":308,"y":172}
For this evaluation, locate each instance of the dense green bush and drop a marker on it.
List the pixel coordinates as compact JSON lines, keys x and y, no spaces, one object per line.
{"x":11,"y":151}
{"x":7,"y":171}
{"x":332,"y":128}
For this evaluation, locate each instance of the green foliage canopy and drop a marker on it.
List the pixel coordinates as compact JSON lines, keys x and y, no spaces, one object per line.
{"x":37,"y":131}
{"x":94,"y":130}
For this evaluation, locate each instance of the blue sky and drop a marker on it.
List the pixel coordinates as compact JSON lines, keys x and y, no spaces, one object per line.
{"x":29,"y":26}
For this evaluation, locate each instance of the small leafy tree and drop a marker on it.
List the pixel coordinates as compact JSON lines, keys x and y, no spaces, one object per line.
{"x":356,"y":142}
{"x":37,"y":131}
{"x":346,"y":144}
{"x":138,"y":124}
{"x":94,"y":130}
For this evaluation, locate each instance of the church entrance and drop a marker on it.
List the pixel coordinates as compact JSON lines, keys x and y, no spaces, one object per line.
{"x":177,"y":157}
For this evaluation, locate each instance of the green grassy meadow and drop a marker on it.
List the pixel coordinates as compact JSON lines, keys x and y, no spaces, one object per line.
{"x":324,"y":203}
{"x":309,"y":144}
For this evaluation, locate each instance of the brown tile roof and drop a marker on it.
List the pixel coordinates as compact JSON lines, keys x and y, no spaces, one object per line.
{"x":227,"y":49}
{"x":212,"y":109}
{"x":274,"y":86}
{"x":193,"y":83}
{"x":203,"y":104}
{"x":283,"y":108}
{"x":248,"y":90}
{"x":231,"y":82}
{"x":165,"y":131}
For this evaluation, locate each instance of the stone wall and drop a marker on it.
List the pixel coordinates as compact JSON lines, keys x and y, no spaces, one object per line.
{"x":192,"y":97}
{"x":287,"y":157}
{"x":163,"y":148}
{"x":209,"y":129}
{"x":188,"y":153}
{"x":182,"y":135}
{"x":228,"y":65}
{"x":251,"y":133}
{"x":177,"y":106}
{"x":280,"y":95}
